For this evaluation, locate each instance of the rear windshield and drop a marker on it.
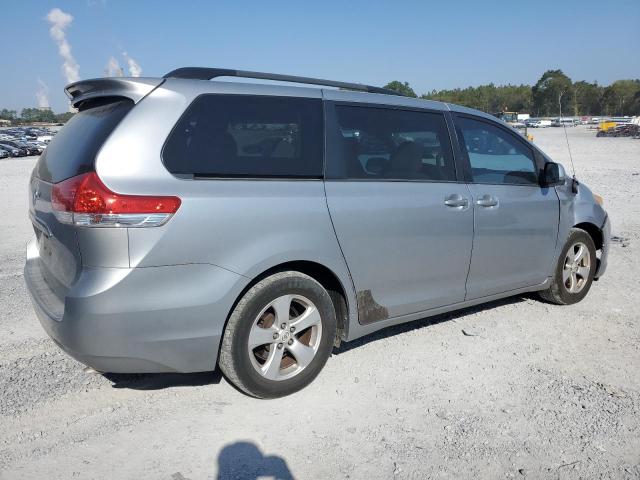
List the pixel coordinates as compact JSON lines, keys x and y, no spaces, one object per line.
{"x":73,"y":149}
{"x":247,"y":136}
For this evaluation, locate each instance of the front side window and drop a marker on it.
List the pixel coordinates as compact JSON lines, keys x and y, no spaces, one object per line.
{"x":245,"y":135}
{"x":378,"y":143}
{"x":495,"y":155}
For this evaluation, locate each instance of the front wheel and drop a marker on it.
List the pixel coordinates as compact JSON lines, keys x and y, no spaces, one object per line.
{"x":575,"y":270}
{"x":279,"y":336}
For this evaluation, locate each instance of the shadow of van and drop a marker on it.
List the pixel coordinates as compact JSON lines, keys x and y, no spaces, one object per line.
{"x":245,"y":460}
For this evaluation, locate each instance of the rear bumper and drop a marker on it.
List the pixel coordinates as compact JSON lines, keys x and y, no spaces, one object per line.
{"x":604,"y":255}
{"x":135,"y":320}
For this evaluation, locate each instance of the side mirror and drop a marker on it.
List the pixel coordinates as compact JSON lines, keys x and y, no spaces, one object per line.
{"x":553,"y":175}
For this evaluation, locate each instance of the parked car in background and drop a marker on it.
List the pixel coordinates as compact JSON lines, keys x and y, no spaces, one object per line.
{"x":257,"y":226}
{"x":14,"y":151}
{"x":37,"y":147}
{"x":23,"y":146}
{"x":31,"y":149}
{"x":563,"y":122}
{"x":4,"y":153}
{"x":14,"y":146}
{"x":538,"y":123}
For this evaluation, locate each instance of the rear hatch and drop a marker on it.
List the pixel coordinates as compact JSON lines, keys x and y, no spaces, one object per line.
{"x":72,"y":152}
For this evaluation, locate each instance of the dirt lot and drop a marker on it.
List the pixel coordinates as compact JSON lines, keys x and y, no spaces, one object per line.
{"x":538,"y":391}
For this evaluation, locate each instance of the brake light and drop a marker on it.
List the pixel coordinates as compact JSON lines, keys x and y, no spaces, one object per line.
{"x":85,"y":200}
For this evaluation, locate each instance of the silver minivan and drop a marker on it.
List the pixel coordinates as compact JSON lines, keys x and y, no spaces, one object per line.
{"x":182,"y":223}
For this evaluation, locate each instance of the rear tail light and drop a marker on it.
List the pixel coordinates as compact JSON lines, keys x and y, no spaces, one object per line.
{"x":85,"y":200}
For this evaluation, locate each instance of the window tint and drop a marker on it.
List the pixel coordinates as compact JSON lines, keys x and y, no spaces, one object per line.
{"x":242,"y":135}
{"x":378,"y":143}
{"x":73,"y":149}
{"x":495,"y":155}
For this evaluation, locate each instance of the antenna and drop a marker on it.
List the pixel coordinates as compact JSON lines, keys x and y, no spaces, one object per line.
{"x":574,"y":183}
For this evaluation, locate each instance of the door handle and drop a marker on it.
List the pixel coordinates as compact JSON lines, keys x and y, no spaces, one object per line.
{"x":456,"y":200}
{"x":487,"y":201}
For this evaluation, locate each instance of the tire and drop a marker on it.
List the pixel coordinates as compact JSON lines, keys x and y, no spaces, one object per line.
{"x":259,"y":316}
{"x":570,"y":285}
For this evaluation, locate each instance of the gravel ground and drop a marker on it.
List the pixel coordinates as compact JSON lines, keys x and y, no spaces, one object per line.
{"x":538,"y":391}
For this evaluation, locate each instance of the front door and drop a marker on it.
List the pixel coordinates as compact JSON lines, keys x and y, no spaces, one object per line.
{"x":515,"y":220}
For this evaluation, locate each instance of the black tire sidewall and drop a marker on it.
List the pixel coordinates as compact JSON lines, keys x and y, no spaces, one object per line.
{"x":576,"y":236}
{"x":252,"y":380}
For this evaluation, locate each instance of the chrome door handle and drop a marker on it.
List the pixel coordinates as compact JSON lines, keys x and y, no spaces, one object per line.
{"x":487,"y":201}
{"x":456,"y":200}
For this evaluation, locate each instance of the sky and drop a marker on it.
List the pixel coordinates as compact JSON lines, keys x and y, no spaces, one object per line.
{"x":430,"y":44}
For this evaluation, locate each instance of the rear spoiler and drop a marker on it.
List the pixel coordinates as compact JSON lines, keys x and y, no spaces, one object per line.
{"x":135,"y":88}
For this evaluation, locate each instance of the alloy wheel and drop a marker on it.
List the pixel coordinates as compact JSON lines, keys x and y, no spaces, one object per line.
{"x":577,"y":266}
{"x":285,"y":337}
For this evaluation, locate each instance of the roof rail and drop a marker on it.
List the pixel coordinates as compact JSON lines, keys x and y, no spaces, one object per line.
{"x":203,"y":73}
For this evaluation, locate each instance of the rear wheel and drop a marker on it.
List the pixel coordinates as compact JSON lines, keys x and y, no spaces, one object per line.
{"x":279,"y":336}
{"x":575,"y":270}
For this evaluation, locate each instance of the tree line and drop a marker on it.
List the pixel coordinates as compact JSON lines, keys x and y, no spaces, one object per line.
{"x":30,"y":115}
{"x":552,"y":90}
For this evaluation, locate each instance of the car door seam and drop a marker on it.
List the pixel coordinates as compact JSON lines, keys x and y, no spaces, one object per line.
{"x":335,"y":234}
{"x":473,"y":237}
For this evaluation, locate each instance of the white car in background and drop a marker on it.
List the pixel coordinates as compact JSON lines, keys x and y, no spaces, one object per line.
{"x":563,"y":122}
{"x":539,"y":123}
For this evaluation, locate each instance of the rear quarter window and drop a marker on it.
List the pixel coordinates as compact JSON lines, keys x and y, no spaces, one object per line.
{"x":247,"y":136}
{"x":73,"y":149}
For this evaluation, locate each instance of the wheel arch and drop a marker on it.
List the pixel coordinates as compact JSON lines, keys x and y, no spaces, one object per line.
{"x":594,"y":232}
{"x":320,"y":273}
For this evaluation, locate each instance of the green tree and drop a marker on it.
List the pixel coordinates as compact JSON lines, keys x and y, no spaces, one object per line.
{"x":489,"y":98}
{"x":587,"y":98}
{"x":551,"y":90}
{"x":29,"y":115}
{"x":8,"y":114}
{"x":619,"y":98}
{"x":622,"y":97}
{"x":402,"y":88}
{"x":64,"y":117}
{"x":635,"y":104}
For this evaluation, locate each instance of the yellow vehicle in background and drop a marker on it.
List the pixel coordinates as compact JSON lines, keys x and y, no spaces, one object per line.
{"x":617,"y":128}
{"x":606,"y":126}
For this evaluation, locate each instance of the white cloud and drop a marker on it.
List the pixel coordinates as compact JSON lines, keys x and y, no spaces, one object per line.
{"x":42,"y":94}
{"x":113,"y":68}
{"x":59,"y":21}
{"x":134,"y":69}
